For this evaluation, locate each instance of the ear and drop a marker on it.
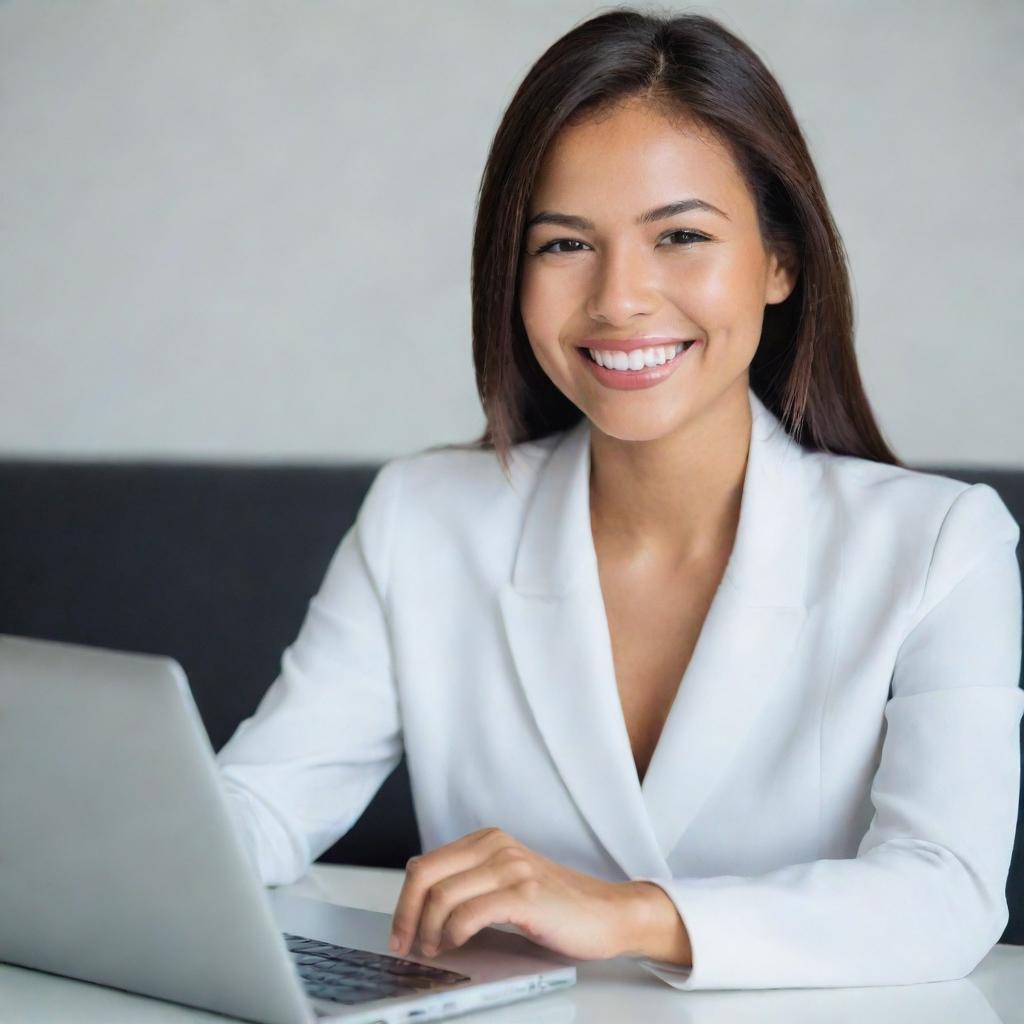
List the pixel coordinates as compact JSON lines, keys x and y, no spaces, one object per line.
{"x":783,"y":270}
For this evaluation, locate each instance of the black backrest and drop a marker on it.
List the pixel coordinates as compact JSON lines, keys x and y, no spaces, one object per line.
{"x":214,"y":565}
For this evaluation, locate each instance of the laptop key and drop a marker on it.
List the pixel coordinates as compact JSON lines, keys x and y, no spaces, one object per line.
{"x":302,"y":959}
{"x":320,"y":978}
{"x":336,"y":969}
{"x":310,"y":950}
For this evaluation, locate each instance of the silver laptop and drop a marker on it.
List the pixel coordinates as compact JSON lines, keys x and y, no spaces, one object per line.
{"x":120,"y":864}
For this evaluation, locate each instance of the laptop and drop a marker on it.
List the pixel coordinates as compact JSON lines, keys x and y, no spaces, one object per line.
{"x":120,"y":865}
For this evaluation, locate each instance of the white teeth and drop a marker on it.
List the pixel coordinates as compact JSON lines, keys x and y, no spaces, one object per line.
{"x":638,"y":359}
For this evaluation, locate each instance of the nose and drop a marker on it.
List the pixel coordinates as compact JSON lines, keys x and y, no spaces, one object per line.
{"x":624,"y":286}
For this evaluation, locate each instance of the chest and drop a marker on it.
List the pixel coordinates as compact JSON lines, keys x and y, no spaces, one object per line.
{"x":654,"y":621}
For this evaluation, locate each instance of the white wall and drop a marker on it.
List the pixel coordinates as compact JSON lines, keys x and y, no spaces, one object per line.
{"x":242,"y":229}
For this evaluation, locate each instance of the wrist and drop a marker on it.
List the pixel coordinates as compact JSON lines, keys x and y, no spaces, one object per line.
{"x":653,"y":927}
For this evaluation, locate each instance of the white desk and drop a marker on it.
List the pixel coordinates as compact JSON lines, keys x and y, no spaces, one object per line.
{"x":606,"y":991}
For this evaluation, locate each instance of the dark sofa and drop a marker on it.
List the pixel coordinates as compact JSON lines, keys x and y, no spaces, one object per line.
{"x":214,"y":564}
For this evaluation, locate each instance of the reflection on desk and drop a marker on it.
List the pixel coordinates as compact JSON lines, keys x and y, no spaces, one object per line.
{"x":606,"y":991}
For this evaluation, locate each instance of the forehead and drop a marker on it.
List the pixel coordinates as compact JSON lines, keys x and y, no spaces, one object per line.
{"x":632,"y":158}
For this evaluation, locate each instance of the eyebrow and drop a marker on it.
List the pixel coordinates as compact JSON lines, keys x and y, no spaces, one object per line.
{"x":569,"y":220}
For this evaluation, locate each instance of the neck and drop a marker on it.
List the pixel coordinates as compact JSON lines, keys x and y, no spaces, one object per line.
{"x":674,"y":501}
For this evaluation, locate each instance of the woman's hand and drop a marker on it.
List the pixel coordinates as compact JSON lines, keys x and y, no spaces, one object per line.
{"x":487,"y":878}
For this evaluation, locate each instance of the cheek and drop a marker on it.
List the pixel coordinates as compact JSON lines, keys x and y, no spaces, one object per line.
{"x":719,"y":294}
{"x":539,"y":301}
{"x":706,"y":291}
{"x":546,"y":304}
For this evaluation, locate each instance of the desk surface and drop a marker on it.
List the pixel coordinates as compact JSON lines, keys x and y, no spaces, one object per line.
{"x":606,"y":991}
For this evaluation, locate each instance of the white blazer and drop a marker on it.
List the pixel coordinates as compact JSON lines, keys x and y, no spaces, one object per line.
{"x":810,"y":830}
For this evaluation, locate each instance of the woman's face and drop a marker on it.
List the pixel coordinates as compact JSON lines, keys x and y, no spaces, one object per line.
{"x":604,"y":276}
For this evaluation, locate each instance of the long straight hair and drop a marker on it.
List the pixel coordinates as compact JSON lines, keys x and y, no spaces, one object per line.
{"x":804,"y":370}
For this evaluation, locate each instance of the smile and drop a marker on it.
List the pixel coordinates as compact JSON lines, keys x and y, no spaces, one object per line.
{"x":647,"y":372}
{"x":639,"y":358}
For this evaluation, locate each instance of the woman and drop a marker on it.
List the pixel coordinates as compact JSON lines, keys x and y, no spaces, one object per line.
{"x":686,"y":665}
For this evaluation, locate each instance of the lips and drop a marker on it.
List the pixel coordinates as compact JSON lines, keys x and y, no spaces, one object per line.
{"x":630,"y":380}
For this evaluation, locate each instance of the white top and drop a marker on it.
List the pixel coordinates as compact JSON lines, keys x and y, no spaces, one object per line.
{"x":810,"y":830}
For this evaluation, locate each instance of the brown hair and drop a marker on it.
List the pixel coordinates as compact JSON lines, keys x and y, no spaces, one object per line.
{"x":804,"y":369}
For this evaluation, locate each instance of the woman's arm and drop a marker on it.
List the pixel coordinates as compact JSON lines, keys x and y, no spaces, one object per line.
{"x":924,"y":899}
{"x":301,"y":770}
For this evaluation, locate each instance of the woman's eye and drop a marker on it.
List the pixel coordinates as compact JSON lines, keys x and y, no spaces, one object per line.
{"x":550,"y":247}
{"x":686,"y":238}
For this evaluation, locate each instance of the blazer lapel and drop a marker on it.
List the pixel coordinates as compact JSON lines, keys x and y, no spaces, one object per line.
{"x":749,"y":635}
{"x":558,"y":632}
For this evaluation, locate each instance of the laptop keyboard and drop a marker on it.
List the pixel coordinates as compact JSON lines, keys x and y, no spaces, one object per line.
{"x":345,"y":975}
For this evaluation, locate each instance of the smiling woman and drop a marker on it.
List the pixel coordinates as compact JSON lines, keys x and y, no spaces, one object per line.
{"x":648,"y":160}
{"x":686,"y":270}
{"x":716,"y":683}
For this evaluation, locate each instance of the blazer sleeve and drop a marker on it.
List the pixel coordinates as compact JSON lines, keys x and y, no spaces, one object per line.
{"x":301,"y":770}
{"x":925,"y":897}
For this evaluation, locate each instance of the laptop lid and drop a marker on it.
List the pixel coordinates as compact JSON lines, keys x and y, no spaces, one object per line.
{"x":105,"y":771}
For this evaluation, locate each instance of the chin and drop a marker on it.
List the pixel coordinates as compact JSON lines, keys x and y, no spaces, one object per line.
{"x":633,"y":427}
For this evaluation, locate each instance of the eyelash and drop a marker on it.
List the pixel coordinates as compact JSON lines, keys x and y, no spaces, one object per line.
{"x":547,"y":247}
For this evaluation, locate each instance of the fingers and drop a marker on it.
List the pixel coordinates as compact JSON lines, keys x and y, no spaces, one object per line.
{"x":427,"y":870}
{"x":451,"y":896}
{"x":499,"y":906}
